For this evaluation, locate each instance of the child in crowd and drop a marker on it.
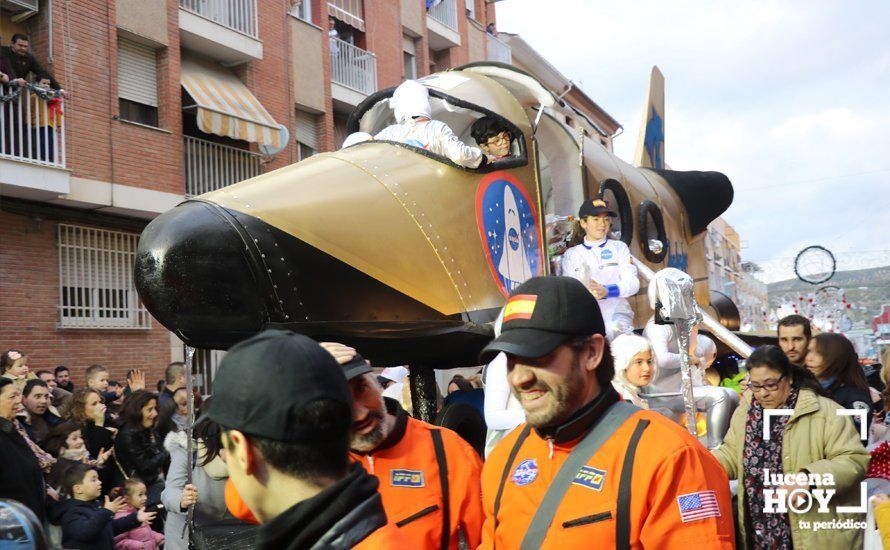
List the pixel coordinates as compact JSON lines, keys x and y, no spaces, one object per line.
{"x":65,"y":442}
{"x":46,"y":117}
{"x":142,"y":537}
{"x":634,"y":367}
{"x":87,"y":524}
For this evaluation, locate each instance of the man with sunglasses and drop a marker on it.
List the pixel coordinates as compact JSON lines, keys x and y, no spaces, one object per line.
{"x":493,"y":138}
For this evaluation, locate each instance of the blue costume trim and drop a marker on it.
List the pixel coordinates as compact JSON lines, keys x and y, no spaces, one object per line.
{"x":614,"y":291}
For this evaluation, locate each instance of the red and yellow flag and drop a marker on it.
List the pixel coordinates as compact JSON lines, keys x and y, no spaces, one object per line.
{"x":521,"y":306}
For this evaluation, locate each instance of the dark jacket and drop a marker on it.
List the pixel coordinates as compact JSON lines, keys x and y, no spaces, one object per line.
{"x":87,"y":525}
{"x":849,"y":397}
{"x":341,"y":516}
{"x":21,"y":478}
{"x":22,"y":66}
{"x":140,"y":454}
{"x":39,"y":426}
{"x":96,"y":437}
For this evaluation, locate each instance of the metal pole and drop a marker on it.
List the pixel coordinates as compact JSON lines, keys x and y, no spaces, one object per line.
{"x":189,"y":428}
{"x":423,"y":392}
{"x":684,"y":331}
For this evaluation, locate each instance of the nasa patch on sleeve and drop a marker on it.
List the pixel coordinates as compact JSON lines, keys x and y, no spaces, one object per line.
{"x":407,"y":478}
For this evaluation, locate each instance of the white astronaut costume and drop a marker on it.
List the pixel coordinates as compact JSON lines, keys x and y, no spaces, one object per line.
{"x":608,"y":263}
{"x":719,"y":402}
{"x":411,"y":103}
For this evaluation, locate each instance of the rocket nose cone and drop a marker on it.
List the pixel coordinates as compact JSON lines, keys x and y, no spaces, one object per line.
{"x":193,"y":273}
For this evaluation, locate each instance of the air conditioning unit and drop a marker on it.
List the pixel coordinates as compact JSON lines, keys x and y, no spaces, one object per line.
{"x":19,"y":6}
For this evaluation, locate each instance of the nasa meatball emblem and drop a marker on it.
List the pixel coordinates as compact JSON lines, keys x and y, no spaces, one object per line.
{"x":508,"y":226}
{"x":525,"y":473}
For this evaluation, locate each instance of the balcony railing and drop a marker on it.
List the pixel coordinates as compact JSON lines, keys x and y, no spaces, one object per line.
{"x":32,"y":129}
{"x":498,"y":51}
{"x":210,"y":166}
{"x":353,"y":67}
{"x":238,"y":15}
{"x":445,"y":12}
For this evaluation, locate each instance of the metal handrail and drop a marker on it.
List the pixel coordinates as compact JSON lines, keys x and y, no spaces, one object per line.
{"x":353,"y":67}
{"x":30,"y":131}
{"x":210,"y":166}
{"x":238,"y":15}
{"x":445,"y":12}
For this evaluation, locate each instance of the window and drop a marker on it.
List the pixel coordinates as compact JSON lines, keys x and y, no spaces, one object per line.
{"x":307,"y":135}
{"x":96,"y":279}
{"x":302,"y":10}
{"x":409,"y":58}
{"x":471,"y":9}
{"x":137,"y":77}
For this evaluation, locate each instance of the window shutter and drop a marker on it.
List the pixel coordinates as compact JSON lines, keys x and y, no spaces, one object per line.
{"x":137,"y":71}
{"x":306,"y":129}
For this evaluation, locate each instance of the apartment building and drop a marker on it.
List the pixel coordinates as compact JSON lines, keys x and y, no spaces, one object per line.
{"x":169,"y":99}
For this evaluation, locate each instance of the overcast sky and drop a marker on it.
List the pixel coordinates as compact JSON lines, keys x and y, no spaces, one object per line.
{"x":791,"y":100}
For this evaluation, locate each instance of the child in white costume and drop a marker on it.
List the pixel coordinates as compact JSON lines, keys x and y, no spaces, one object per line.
{"x":605,"y":267}
{"x":635,"y":367}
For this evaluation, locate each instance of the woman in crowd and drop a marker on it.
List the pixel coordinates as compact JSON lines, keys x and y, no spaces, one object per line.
{"x":174,"y":415}
{"x":88,"y":410}
{"x":814,"y":440}
{"x":137,"y":450}
{"x":14,"y":366}
{"x":833,"y":360}
{"x":21,"y":477}
{"x":209,"y":476}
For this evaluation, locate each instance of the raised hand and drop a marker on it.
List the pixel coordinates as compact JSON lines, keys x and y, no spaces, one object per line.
{"x":341,"y":352}
{"x":114,"y":506}
{"x":136,"y":380}
{"x":103,"y":456}
{"x":142,"y":516}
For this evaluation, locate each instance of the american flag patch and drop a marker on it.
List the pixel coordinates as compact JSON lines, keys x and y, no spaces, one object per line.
{"x":701,"y":505}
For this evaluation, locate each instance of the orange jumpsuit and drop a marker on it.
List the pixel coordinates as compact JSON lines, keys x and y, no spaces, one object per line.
{"x":408,"y":471}
{"x":668,"y":464}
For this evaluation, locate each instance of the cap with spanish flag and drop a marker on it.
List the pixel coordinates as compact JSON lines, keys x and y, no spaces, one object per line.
{"x":541,"y":314}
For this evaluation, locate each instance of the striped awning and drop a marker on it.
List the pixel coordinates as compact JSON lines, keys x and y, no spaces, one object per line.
{"x":348,"y":11}
{"x":225,"y":106}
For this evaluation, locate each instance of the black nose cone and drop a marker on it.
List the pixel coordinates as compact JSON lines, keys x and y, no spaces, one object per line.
{"x":194,"y":274}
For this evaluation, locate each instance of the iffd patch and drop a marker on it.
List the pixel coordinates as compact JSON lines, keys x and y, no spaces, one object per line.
{"x":607,"y":254}
{"x":590,"y":477}
{"x":406,"y":478}
{"x":525,"y":473}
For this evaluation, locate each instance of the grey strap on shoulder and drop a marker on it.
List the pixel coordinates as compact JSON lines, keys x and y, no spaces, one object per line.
{"x":611,"y":420}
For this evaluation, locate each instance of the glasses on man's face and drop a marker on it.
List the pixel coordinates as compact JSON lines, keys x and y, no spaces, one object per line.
{"x":503,"y":137}
{"x":768,"y":386}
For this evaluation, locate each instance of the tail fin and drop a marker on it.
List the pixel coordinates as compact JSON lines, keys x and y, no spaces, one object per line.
{"x":650,"y":145}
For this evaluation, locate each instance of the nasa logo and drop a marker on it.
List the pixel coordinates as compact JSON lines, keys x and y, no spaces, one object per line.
{"x":406,"y":478}
{"x":508,"y":226}
{"x":607,"y":254}
{"x":590,"y":477}
{"x":525,"y":473}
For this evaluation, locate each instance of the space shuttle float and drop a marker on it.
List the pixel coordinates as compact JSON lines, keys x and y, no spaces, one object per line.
{"x":405,"y":255}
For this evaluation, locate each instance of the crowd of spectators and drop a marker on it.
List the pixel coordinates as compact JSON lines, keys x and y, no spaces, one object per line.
{"x":111,"y":465}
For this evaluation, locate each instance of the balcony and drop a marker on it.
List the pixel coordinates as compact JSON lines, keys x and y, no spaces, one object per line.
{"x":210,"y":166}
{"x":441,"y":23}
{"x":498,"y":51}
{"x":225,"y":30}
{"x":353,"y":73}
{"x":32,"y":146}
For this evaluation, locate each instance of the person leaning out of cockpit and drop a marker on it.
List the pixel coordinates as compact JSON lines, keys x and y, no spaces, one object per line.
{"x":493,"y":138}
{"x":604,"y":266}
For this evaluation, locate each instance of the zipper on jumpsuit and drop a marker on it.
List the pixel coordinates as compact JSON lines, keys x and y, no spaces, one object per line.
{"x":371,"y":463}
{"x":550,"y":446}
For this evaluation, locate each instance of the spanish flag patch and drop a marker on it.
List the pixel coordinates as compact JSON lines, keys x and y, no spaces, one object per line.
{"x":521,"y":306}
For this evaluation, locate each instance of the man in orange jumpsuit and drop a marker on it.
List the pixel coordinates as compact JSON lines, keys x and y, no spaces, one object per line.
{"x":287,"y":451}
{"x":429,"y":476}
{"x":589,"y":469}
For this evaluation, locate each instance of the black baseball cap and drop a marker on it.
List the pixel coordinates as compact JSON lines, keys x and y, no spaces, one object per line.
{"x":595,"y":207}
{"x":263,"y":379}
{"x":356,"y":367}
{"x":541,"y":314}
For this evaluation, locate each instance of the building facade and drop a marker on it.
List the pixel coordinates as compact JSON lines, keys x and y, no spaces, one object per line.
{"x":168,"y":99}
